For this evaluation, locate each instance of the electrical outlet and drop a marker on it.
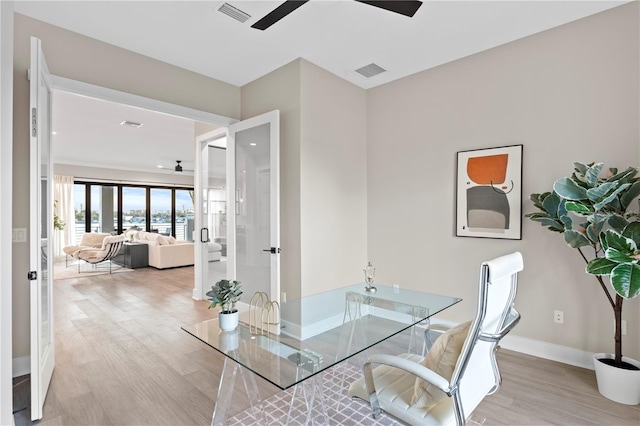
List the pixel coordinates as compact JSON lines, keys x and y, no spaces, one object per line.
{"x":283,"y":297}
{"x":558,"y":317}
{"x":396,"y":288}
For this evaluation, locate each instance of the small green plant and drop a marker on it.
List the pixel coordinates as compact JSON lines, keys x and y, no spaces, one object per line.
{"x":592,"y":213}
{"x":225,"y":293}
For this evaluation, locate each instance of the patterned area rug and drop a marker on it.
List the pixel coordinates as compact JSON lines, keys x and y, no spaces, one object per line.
{"x":341,"y":409}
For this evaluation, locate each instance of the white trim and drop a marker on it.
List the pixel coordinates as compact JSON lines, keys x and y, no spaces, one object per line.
{"x":6,"y":211}
{"x":106,"y":94}
{"x":21,"y":366}
{"x":550,"y":351}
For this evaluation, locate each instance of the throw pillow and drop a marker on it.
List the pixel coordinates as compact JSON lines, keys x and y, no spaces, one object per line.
{"x":442,"y":359}
{"x":172,"y":239}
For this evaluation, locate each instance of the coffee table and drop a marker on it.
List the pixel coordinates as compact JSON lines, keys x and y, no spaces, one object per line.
{"x":317,"y":332}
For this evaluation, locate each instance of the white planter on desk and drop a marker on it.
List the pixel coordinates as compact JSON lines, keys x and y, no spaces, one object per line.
{"x":228,"y":321}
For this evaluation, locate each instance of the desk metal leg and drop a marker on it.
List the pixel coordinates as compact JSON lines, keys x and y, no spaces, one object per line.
{"x":225,"y":393}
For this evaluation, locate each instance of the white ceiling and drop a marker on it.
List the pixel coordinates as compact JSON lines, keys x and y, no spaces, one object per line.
{"x":88,"y":132}
{"x":337,"y":35}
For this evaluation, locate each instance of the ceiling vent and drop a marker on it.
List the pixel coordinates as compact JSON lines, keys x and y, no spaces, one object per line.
{"x":131,"y":124}
{"x":234,"y":12}
{"x":370,"y":70}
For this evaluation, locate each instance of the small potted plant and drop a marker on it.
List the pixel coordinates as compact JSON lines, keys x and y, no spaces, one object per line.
{"x":226,"y":293}
{"x":592,"y":214}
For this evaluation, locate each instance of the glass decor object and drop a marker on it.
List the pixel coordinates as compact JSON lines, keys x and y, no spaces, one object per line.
{"x":369,"y":276}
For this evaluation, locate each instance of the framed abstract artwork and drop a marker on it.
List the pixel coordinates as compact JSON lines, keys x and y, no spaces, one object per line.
{"x":489,"y":193}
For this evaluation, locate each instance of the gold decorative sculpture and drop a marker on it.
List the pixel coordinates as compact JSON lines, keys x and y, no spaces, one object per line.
{"x":262,"y":313}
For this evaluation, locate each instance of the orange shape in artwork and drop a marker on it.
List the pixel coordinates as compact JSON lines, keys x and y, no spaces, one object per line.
{"x":489,"y":169}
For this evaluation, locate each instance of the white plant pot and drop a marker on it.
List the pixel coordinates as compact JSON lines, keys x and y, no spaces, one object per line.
{"x":228,"y":340}
{"x":228,"y":322}
{"x":618,"y":384}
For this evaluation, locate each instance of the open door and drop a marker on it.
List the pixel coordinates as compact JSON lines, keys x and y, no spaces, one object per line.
{"x":40,"y":231}
{"x":253,"y":182}
{"x":252,"y":206}
{"x":210,"y":207}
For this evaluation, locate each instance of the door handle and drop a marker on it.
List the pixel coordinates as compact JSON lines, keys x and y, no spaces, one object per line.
{"x":273,"y":250}
{"x":204,"y":235}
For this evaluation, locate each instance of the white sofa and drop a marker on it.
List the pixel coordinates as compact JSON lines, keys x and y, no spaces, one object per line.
{"x":166,"y":252}
{"x":215,"y":252}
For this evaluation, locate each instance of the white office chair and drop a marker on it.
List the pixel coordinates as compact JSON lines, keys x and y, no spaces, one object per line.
{"x":404,"y":388}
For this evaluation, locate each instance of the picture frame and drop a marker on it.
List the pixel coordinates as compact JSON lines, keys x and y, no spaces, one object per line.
{"x":489,"y":193}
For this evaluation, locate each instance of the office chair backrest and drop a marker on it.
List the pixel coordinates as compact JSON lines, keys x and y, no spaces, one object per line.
{"x":476,"y":373}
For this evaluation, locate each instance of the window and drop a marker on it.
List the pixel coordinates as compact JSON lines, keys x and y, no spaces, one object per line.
{"x":134,"y":207}
{"x":115,"y":208}
{"x":161,"y":212}
{"x":184,"y":214}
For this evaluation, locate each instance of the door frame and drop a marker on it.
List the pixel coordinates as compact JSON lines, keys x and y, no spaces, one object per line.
{"x":107,"y":94}
{"x":40,"y":223}
{"x":202,"y":143}
{"x":112,"y":95}
{"x":6,"y":212}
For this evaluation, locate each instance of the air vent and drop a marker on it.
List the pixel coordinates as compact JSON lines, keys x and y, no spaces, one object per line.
{"x":370,"y":70}
{"x":131,"y":124}
{"x":234,"y":12}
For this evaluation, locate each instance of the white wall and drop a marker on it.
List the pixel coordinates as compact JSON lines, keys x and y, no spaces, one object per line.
{"x":568,"y":94}
{"x":333,"y":181}
{"x":6,"y":134}
{"x":323,"y":174}
{"x":80,"y":172}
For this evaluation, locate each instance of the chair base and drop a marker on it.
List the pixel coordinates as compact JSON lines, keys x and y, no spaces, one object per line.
{"x":99,"y":267}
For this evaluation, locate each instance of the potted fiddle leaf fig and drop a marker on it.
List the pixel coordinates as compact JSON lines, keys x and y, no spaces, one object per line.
{"x":593,"y":214}
{"x":226,"y":293}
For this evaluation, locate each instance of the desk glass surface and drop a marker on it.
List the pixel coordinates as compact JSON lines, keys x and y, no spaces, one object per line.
{"x":322,"y":330}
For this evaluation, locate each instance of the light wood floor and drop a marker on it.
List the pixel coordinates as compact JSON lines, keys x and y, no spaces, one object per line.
{"x":122,"y":359}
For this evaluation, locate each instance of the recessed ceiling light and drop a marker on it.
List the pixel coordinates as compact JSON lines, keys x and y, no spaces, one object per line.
{"x":54,"y":133}
{"x":131,"y":124}
{"x":253,"y":144}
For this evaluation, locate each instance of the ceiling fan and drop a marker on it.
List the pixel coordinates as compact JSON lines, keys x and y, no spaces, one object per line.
{"x":403,"y":7}
{"x":177,"y":168}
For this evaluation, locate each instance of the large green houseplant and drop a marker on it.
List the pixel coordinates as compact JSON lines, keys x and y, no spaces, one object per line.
{"x":593,"y":215}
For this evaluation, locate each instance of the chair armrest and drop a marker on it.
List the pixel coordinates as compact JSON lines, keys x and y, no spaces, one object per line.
{"x":414,"y":368}
{"x":405,"y":365}
{"x":512,"y":319}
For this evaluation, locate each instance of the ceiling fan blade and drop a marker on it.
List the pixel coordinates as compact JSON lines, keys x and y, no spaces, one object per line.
{"x":278,"y":13}
{"x":403,"y":7}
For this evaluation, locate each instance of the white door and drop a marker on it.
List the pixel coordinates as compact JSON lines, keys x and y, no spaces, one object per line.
{"x":253,"y":181}
{"x":210,"y":208}
{"x":40,"y":231}
{"x":252,"y":207}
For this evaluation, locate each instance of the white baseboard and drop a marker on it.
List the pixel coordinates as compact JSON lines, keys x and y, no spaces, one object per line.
{"x":21,"y":366}
{"x":550,"y":351}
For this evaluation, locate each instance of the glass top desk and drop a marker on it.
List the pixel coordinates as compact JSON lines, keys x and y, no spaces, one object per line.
{"x":317,"y":332}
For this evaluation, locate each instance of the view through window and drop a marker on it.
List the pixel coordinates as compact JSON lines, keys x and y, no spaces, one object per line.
{"x":168,"y":211}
